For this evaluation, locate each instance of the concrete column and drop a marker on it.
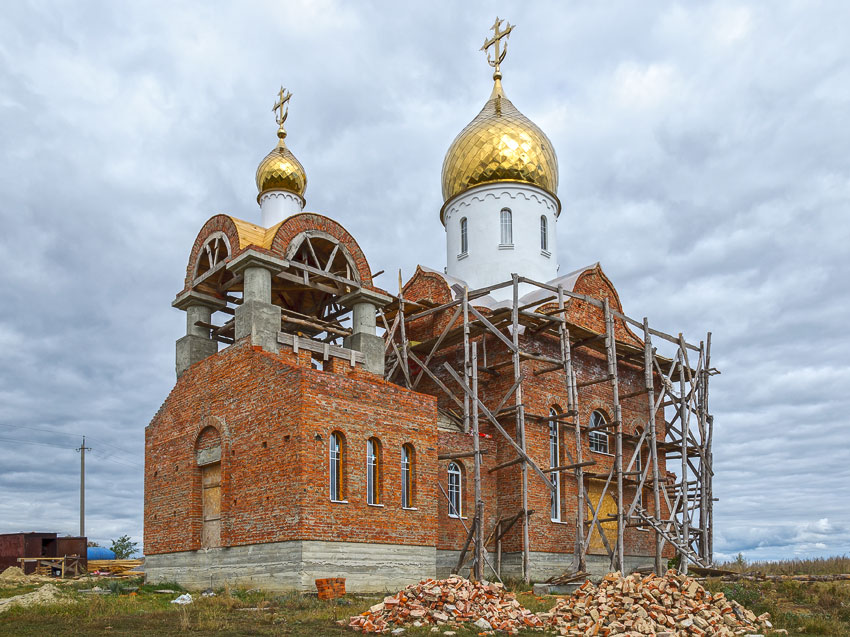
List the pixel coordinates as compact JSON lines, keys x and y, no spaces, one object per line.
{"x":364,"y":305}
{"x":198,"y":343}
{"x":257,"y":317}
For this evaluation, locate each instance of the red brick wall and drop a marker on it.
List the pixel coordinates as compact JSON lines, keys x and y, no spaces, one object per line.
{"x":269,"y":410}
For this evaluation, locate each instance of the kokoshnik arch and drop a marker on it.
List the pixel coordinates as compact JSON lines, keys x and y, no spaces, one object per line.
{"x":493,"y":418}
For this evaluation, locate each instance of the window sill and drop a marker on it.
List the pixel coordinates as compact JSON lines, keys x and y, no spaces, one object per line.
{"x":381,"y":506}
{"x":565,"y":523}
{"x":546,"y":253}
{"x":339,"y":501}
{"x":462,"y":255}
{"x":602,"y":453}
{"x":506,"y":246}
{"x":458,"y":517}
{"x":409,"y":509}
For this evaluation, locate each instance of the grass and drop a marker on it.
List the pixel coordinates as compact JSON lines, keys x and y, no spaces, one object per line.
{"x":836,"y":565}
{"x":133,"y":608}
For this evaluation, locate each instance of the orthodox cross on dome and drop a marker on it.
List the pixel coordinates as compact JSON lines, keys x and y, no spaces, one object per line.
{"x":500,"y":49}
{"x":281,"y":110}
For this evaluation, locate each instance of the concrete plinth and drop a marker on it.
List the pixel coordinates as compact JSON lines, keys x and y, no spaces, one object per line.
{"x":372,"y":347}
{"x":260,"y":321}
{"x":191,"y":349}
{"x":295,"y":565}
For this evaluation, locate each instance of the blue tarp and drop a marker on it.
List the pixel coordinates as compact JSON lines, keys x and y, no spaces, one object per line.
{"x":99,"y":553}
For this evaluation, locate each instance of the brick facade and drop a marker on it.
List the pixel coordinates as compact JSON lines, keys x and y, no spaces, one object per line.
{"x":274,"y":415}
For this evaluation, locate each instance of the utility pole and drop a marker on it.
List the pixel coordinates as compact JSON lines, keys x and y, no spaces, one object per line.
{"x":82,"y":451}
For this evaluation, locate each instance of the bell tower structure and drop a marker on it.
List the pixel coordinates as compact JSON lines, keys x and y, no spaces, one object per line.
{"x":500,"y":182}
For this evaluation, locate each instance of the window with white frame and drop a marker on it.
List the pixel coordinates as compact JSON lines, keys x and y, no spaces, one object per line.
{"x":464,"y":237}
{"x":373,"y":471}
{"x":544,"y":233}
{"x":554,"y":461}
{"x":506,"y":223}
{"x":455,"y":495}
{"x":407,"y":476}
{"x":598,"y":439}
{"x":639,"y":469}
{"x":336,"y":467}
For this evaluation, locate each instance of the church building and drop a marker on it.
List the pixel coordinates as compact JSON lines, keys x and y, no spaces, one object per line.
{"x":496,"y":417}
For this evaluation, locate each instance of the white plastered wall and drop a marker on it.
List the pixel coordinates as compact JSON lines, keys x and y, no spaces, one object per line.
{"x":487,"y":261}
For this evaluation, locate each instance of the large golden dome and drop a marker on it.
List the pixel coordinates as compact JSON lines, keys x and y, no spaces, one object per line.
{"x":280,"y":170}
{"x":500,"y":144}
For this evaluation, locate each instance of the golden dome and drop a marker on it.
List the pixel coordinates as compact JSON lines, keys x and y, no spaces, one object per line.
{"x":280,"y":170}
{"x":500,"y":144}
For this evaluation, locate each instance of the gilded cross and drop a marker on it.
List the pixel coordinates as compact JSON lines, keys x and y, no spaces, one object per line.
{"x":500,"y":49}
{"x":281,"y":107}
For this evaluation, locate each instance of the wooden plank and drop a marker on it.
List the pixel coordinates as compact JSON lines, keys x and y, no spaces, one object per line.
{"x":461,"y":454}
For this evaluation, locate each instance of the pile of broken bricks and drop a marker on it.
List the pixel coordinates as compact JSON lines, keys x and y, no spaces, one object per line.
{"x":672,"y":605}
{"x":450,"y":602}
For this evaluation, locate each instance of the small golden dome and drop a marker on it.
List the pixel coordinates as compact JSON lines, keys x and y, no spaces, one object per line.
{"x":280,"y":170}
{"x":500,"y":144}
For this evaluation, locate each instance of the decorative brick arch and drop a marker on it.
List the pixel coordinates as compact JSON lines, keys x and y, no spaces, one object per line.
{"x":291,"y":232}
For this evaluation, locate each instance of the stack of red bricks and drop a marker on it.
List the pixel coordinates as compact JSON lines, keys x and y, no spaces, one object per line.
{"x":452,"y":602}
{"x":670,"y":606}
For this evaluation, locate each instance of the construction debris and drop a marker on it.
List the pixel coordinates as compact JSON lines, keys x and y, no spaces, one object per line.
{"x":47,"y":594}
{"x":567,"y":578}
{"x":670,"y":606}
{"x":453,"y":601}
{"x":114,"y":567}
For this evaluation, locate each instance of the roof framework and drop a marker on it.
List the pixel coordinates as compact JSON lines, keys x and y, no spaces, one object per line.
{"x":675,"y":387}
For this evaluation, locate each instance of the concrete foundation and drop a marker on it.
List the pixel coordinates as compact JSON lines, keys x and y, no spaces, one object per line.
{"x":541,"y":565}
{"x":296,"y":565}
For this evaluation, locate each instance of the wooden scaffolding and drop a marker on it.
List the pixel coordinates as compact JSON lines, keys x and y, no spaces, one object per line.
{"x":675,"y":387}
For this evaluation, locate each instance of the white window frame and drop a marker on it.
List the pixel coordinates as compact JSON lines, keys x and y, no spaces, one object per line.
{"x":372,"y":472}
{"x":598,"y":439}
{"x":455,"y":491}
{"x":335,"y":468}
{"x":544,"y":233}
{"x":406,"y":477}
{"x":464,"y":236}
{"x":554,"y":459}
{"x":506,"y":226}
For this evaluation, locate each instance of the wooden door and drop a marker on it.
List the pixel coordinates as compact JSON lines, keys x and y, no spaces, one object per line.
{"x":607,"y":509}
{"x":211,"y":488}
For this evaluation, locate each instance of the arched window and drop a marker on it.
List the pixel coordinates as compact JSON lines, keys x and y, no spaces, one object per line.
{"x":455,"y":492}
{"x":505,"y":220}
{"x":464,"y":238}
{"x":544,"y":234}
{"x":407,"y":476}
{"x":337,"y":466}
{"x":373,"y":471}
{"x":598,"y":439}
{"x":554,"y":461}
{"x":208,"y":459}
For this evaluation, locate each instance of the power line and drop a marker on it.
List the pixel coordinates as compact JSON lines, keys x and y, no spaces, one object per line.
{"x":64,"y":433}
{"x":101,"y":455}
{"x":32,"y":442}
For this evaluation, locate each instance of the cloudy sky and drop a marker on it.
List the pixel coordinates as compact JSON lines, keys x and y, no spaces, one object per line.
{"x":703,"y":152}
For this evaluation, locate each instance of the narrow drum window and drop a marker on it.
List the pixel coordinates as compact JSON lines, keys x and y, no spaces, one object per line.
{"x":407,"y":476}
{"x":598,"y":439}
{"x":336,"y":467}
{"x":554,"y":461}
{"x":544,"y":235}
{"x":373,"y":471}
{"x":507,"y":227}
{"x":464,"y":240}
{"x":455,"y":498}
